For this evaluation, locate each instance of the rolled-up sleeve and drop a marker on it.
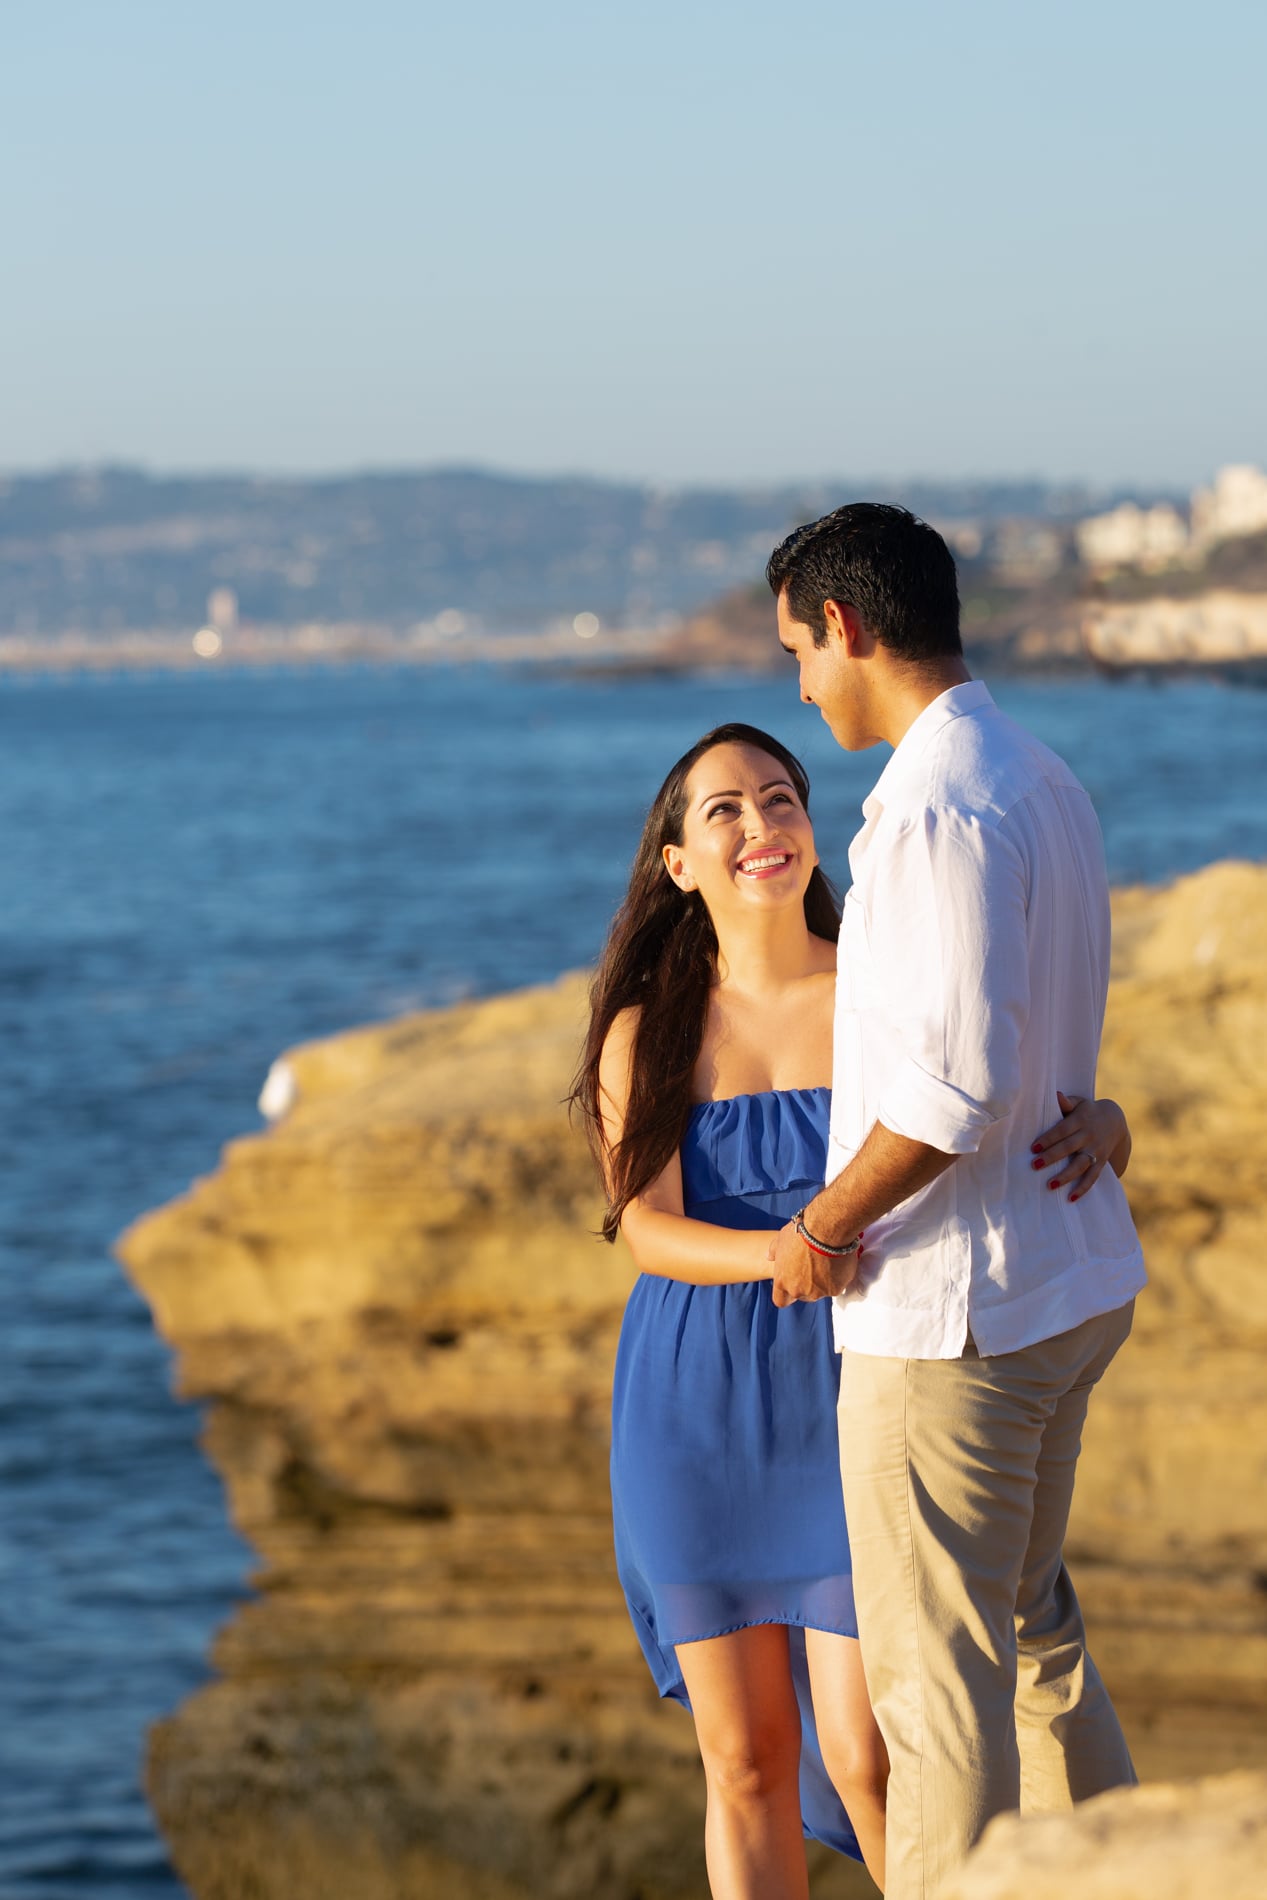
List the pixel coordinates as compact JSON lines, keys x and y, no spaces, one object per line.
{"x":950,"y":955}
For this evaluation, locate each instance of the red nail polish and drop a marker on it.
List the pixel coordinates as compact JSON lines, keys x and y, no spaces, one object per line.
{"x":1053,"y":1185}
{"x":1038,"y":1164}
{"x":1036,"y":1147}
{"x":1075,"y":1197}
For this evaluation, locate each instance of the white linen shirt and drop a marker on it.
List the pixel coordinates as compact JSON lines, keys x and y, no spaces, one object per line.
{"x":973,"y":971}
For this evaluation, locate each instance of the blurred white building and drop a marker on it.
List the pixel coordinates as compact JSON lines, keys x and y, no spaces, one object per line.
{"x":1154,"y":538}
{"x":1129,"y":536}
{"x":1234,"y":506}
{"x":962,"y":537}
{"x":222,"y":610}
{"x":1026,"y":552}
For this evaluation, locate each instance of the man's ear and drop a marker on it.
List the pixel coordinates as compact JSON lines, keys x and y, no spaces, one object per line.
{"x":676,"y":868}
{"x":846,"y":625}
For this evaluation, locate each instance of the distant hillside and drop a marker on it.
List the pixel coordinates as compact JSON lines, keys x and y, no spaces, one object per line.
{"x":1008,"y":624}
{"x":97,"y":552}
{"x":1035,"y":623}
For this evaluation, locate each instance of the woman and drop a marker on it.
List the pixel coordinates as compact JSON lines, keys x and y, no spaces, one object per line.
{"x":705,"y":1083}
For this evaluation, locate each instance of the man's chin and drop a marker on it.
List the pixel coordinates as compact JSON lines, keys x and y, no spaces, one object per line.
{"x":849,"y":739}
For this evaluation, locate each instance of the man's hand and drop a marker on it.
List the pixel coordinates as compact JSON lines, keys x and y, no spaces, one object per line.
{"x":802,"y":1274}
{"x":886,"y":1170}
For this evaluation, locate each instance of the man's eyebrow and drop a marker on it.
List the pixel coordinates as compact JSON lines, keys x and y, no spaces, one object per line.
{"x":734,"y":792}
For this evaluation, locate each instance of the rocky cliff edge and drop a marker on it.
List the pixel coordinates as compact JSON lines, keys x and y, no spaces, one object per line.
{"x":395,"y":1308}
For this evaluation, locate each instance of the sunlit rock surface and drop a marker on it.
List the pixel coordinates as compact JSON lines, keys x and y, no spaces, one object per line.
{"x":1200,"y":1840}
{"x":394,"y":1305}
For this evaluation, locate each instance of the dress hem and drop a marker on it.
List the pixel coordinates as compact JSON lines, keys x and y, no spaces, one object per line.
{"x":753,"y":1623}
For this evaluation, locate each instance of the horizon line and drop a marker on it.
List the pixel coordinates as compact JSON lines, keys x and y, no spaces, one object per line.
{"x":491,"y":471}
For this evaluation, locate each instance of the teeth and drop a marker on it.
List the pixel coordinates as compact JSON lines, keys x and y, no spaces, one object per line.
{"x":763,"y":864}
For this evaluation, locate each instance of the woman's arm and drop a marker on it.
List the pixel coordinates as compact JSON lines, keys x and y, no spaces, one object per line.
{"x":1089,"y":1128}
{"x":676,"y":1247}
{"x":662,"y":1238}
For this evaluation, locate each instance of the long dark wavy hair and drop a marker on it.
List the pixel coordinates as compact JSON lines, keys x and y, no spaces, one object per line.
{"x":661,"y":957}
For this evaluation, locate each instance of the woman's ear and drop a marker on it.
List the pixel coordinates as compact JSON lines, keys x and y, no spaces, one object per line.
{"x":675,"y":865}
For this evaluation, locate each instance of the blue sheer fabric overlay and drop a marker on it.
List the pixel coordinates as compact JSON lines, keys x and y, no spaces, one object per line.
{"x":725,"y":1468}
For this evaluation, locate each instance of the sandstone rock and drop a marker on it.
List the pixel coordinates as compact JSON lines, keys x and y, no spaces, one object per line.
{"x":1202,"y":1840}
{"x":395,"y":1306}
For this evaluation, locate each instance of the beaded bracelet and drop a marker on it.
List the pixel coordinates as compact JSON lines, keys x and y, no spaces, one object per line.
{"x":821,"y":1246}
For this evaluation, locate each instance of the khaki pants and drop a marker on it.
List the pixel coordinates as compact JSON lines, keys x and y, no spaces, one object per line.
{"x":958,"y":1475}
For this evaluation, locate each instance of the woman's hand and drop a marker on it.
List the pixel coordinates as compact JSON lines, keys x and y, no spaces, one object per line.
{"x":1090,"y":1134}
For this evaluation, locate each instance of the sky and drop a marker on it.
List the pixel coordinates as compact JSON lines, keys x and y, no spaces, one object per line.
{"x":693,"y":242}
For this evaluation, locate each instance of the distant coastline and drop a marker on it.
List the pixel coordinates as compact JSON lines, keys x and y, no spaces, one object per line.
{"x":688,"y":647}
{"x":113,"y":570}
{"x":319,"y":645}
{"x":1092,"y":647}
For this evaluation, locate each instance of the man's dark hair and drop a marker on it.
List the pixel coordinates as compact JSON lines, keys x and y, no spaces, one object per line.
{"x":887,"y":564}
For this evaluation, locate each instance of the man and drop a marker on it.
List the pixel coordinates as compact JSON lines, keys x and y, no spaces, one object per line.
{"x":974,"y":958}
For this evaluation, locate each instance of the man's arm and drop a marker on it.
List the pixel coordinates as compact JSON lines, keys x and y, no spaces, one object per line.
{"x":947,"y":932}
{"x":888,"y":1168}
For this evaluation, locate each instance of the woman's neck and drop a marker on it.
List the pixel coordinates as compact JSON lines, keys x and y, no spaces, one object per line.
{"x":760,"y":955}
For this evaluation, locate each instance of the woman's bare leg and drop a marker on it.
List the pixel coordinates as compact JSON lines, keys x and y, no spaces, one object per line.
{"x":749,"y":1730}
{"x":854,"y":1754}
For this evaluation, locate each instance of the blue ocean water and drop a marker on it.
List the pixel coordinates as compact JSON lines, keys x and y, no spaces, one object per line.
{"x":197,"y":871}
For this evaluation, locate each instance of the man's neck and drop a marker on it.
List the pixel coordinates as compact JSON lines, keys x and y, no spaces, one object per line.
{"x":907,"y":692}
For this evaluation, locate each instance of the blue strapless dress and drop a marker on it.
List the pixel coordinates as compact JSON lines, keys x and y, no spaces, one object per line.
{"x":725,"y":1469}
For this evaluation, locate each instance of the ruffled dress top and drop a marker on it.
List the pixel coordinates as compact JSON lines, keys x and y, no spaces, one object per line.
{"x":725,"y":1465}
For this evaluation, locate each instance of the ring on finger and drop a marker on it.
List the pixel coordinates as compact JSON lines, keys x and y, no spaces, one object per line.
{"x":1088,"y":1156}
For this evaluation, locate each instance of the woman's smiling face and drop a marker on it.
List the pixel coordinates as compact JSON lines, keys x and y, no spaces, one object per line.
{"x":746,"y":837}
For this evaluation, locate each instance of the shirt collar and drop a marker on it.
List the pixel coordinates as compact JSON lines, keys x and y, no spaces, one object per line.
{"x":968,"y":697}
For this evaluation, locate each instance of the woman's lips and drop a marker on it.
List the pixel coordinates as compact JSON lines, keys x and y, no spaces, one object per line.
{"x":767,"y":864}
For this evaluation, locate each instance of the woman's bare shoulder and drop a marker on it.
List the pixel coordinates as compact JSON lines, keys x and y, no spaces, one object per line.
{"x":620,"y":1036}
{"x":615,"y":1059}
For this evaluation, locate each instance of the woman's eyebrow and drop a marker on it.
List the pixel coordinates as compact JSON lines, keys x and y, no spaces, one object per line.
{"x":734,"y":791}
